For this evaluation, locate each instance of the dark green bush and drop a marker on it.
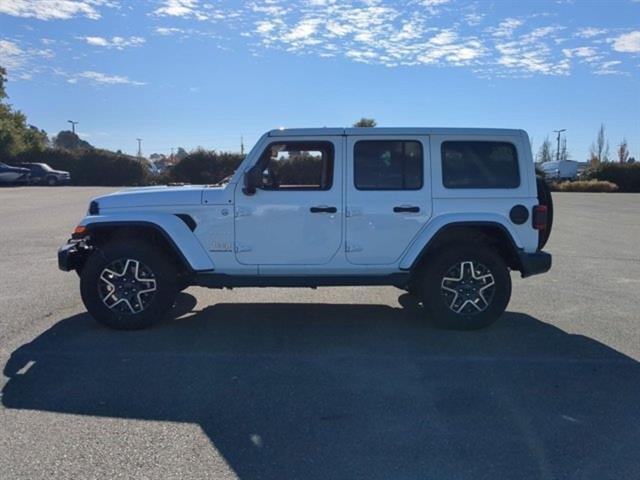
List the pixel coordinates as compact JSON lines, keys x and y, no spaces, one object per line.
{"x":625,"y":175}
{"x":91,"y":167}
{"x":205,"y":167}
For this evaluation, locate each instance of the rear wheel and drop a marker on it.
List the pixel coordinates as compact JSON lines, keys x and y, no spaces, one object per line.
{"x":465,"y":287}
{"x":128,"y":285}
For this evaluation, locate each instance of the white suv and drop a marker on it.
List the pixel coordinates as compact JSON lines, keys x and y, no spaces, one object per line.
{"x":442,"y":213}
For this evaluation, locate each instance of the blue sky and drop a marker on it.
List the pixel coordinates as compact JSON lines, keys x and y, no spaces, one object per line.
{"x":202,"y":73}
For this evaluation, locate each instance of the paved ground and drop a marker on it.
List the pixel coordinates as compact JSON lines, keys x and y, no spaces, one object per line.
{"x":334,"y":383}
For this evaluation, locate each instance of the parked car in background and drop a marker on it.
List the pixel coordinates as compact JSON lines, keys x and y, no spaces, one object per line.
{"x":43,"y":174}
{"x":9,"y":174}
{"x":560,"y":170}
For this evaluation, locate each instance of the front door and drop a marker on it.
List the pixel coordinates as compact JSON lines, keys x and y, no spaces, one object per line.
{"x":388,"y":196}
{"x":295,"y":217}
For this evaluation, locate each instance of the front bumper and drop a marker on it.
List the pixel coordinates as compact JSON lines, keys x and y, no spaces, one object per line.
{"x":72,"y":255}
{"x":534,"y":263}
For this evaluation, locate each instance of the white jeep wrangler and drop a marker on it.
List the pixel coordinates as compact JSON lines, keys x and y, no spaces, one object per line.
{"x":442,"y":213}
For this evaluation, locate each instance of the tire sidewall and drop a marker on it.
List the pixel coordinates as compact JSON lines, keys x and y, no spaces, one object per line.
{"x":440,"y":263}
{"x":165,"y":276}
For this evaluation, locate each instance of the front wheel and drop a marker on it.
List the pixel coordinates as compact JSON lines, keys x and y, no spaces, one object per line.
{"x":465,"y":287}
{"x":128,"y":286}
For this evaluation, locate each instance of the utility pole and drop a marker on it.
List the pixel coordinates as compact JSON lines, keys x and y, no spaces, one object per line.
{"x":241,"y":145}
{"x":139,"y":147}
{"x":558,"y":149}
{"x":73,"y":125}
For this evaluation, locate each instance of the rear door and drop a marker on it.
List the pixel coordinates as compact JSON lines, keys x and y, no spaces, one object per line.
{"x":388,"y":196}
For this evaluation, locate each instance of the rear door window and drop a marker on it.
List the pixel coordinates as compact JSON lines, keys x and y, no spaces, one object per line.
{"x":479,"y":164}
{"x":388,"y":165}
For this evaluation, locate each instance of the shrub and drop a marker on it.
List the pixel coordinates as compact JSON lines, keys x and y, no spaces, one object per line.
{"x":585,"y":186}
{"x":91,"y":167}
{"x":625,"y":175}
{"x":202,"y":166}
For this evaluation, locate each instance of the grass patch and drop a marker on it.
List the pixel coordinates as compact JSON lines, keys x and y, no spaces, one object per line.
{"x":585,"y":186}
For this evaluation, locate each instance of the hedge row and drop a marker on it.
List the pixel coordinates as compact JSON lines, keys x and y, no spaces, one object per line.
{"x":584,"y":186}
{"x":625,"y":175}
{"x":91,"y":167}
{"x":204,"y":167}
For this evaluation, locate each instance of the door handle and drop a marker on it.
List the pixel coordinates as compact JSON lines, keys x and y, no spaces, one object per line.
{"x":406,"y":208}
{"x":323,"y":209}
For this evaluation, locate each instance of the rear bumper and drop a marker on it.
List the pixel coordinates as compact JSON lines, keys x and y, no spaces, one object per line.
{"x":534,"y":263}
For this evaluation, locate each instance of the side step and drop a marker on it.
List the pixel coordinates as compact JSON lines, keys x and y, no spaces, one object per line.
{"x":221,"y":280}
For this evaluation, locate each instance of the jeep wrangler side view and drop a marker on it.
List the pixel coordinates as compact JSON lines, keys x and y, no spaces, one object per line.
{"x":442,"y":213}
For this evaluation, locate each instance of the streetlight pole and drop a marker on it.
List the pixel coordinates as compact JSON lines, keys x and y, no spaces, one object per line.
{"x":73,"y":125}
{"x":558,"y":149}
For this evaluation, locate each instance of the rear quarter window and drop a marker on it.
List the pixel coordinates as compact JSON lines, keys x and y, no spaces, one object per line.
{"x":479,"y":164}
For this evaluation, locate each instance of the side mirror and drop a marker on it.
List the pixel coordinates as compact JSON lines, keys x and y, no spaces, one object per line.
{"x":252,"y":180}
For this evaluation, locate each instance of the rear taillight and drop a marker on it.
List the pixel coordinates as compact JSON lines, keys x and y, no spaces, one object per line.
{"x":540,"y":217}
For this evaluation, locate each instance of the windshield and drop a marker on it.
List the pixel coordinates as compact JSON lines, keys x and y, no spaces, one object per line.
{"x":44,"y":166}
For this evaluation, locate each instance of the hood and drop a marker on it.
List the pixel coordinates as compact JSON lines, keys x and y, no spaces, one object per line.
{"x":152,"y":196}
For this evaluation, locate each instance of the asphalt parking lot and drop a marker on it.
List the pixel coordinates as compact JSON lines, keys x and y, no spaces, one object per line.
{"x":329,"y":383}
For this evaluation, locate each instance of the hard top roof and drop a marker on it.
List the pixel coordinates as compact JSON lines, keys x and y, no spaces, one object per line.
{"x":299,"y":132}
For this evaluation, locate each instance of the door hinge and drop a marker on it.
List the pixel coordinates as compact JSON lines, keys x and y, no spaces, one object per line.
{"x":242,"y":212}
{"x":353,"y":211}
{"x":242,"y":248}
{"x":353,"y":248}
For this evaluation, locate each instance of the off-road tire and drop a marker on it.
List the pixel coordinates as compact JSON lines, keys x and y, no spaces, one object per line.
{"x":438,"y":306}
{"x":154,"y":261}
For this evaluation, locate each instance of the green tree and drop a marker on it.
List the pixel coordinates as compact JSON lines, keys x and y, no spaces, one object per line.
{"x":70,"y":141}
{"x":16,"y":135}
{"x":365,"y":122}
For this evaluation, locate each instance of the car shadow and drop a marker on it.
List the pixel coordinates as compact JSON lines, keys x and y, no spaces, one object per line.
{"x":351,"y":391}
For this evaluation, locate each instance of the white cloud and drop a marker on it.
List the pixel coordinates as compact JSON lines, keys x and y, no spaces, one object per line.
{"x":580,"y":52}
{"x":368,"y":32}
{"x":17,"y":59}
{"x":627,"y":42}
{"x":530,"y":52}
{"x":118,"y":43}
{"x":590,"y":32}
{"x":608,"y":68}
{"x":11,"y":55}
{"x":473,"y":19}
{"x":181,"y":8}
{"x":169,"y":31}
{"x":506,"y":28}
{"x":54,"y":9}
{"x":103,"y":78}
